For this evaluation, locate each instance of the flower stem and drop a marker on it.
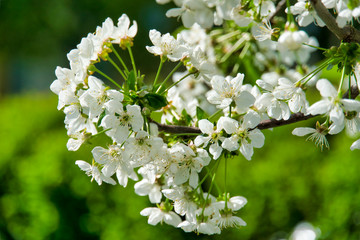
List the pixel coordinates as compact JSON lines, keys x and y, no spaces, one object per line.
{"x":216,"y":185}
{"x":120,"y":59}
{"x":226,"y":200}
{"x":177,"y":82}
{"x":214,"y":168}
{"x":210,"y":188}
{"x":290,"y":17}
{"x":185,"y":134}
{"x":212,"y":117}
{"x":101,"y":132}
{"x":350,"y":86}
{"x":132,"y":61}
{"x":314,"y":72}
{"x":319,"y":48}
{"x":158,"y":71}
{"x":106,"y":76}
{"x":342,"y":78}
{"x":117,"y":67}
{"x":168,"y":76}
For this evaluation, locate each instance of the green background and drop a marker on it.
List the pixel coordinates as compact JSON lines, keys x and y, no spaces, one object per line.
{"x":44,"y":195}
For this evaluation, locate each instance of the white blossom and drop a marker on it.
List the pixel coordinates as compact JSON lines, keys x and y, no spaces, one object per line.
{"x":244,"y":137}
{"x":193,"y":11}
{"x":228,"y":90}
{"x":121,"y":123}
{"x":156,"y":215}
{"x":333,"y":105}
{"x":165,"y":45}
{"x":93,"y":171}
{"x":146,"y":187}
{"x":306,"y":14}
{"x":113,"y":162}
{"x":317,"y":135}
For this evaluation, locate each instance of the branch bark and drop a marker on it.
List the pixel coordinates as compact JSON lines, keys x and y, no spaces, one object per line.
{"x":346,"y":34}
{"x":175,"y":128}
{"x":266,"y":124}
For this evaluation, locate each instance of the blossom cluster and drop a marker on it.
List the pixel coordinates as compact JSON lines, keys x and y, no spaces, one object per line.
{"x":211,"y":112}
{"x":347,"y":11}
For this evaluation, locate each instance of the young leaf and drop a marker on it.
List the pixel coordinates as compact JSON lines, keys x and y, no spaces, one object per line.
{"x":131,"y":80}
{"x":200,"y":114}
{"x":156,"y":101}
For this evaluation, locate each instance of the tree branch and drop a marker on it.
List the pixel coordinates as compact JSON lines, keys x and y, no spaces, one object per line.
{"x":295,"y":117}
{"x":346,"y":34}
{"x":270,"y":123}
{"x":175,"y":128}
{"x":353,"y":94}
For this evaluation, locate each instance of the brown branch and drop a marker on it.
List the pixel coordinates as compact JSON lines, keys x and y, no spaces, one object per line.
{"x":175,"y":128}
{"x":295,"y":117}
{"x":353,"y":94}
{"x":266,"y":124}
{"x":346,"y":34}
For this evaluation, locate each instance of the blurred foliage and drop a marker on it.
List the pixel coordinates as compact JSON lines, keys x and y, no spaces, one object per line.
{"x":44,"y":195}
{"x":36,"y":35}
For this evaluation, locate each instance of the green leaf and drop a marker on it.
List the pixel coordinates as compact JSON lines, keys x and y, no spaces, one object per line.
{"x":131,"y":80}
{"x":201,"y":114}
{"x":102,"y":115}
{"x":155,"y":101}
{"x":329,"y":67}
{"x":185,"y":117}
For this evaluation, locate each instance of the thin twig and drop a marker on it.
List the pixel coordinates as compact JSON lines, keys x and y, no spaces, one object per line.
{"x":353,"y":94}
{"x":175,"y":128}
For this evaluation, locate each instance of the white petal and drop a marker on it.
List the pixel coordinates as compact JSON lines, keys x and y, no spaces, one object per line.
{"x":302,"y":131}
{"x":83,"y":165}
{"x":351,"y":105}
{"x":206,"y":126}
{"x":155,"y":195}
{"x":251,"y":119}
{"x":320,"y":107}
{"x":230,"y":125}
{"x":246,"y":150}
{"x":194,"y":178}
{"x":181,"y":176}
{"x":74,"y":144}
{"x":257,"y":138}
{"x":99,"y":154}
{"x":215,"y":150}
{"x":326,"y":88}
{"x":237,"y":202}
{"x":143,"y":187}
{"x":172,"y":218}
{"x":244,"y":101}
{"x":230,"y":144}
{"x":199,"y":140}
{"x":355,"y":145}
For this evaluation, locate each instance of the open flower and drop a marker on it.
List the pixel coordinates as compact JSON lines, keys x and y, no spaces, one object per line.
{"x":244,"y":137}
{"x":317,"y":135}
{"x":93,"y":171}
{"x":333,"y":105}
{"x":124,"y":34}
{"x":157,"y":215}
{"x":121,"y":122}
{"x":228,"y":90}
{"x":214,"y":135}
{"x":165,"y":45}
